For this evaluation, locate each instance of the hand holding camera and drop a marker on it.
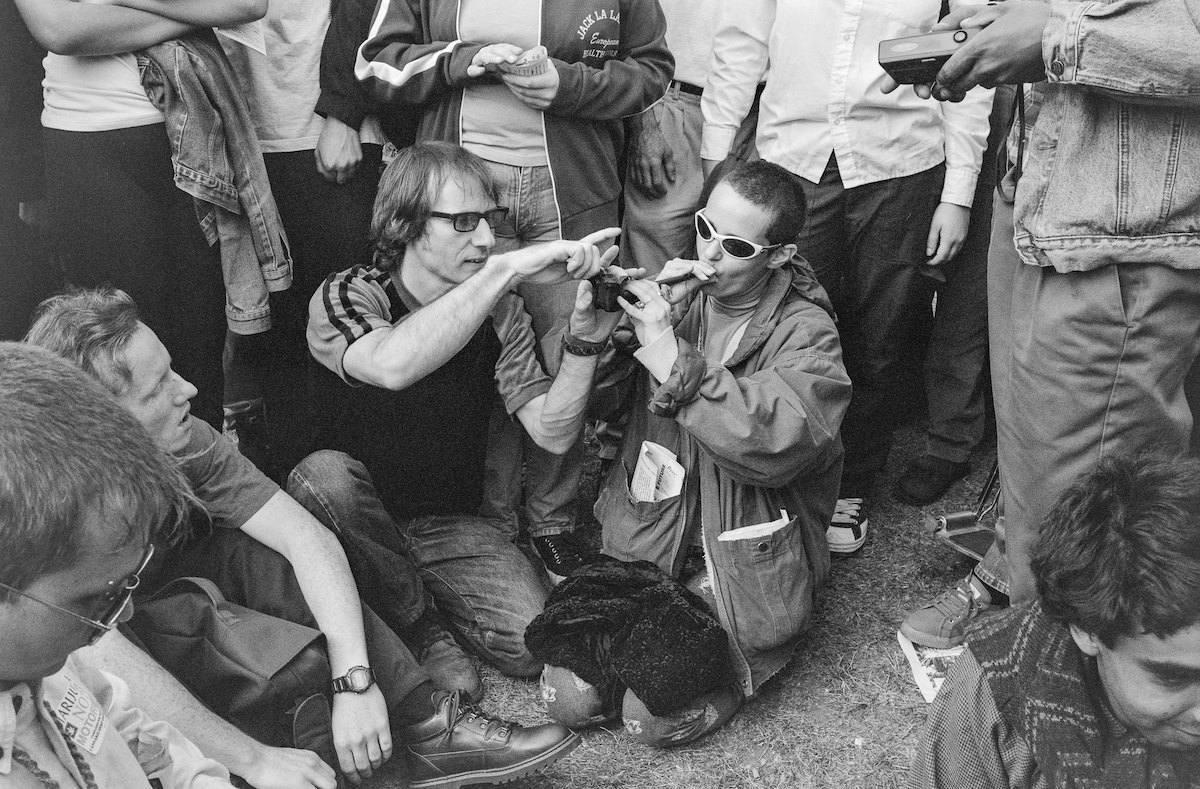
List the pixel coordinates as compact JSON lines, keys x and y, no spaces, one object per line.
{"x":916,"y":60}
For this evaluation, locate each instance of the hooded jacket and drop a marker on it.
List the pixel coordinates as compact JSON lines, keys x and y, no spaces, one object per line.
{"x":611,"y":57}
{"x":755,"y":435}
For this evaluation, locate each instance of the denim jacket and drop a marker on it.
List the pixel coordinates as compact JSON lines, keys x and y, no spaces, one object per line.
{"x":1114,"y":168}
{"x":216,"y":159}
{"x":755,"y":435}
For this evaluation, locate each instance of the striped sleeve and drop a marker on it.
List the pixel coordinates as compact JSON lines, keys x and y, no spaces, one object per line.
{"x":347,"y":306}
{"x":397,"y":64}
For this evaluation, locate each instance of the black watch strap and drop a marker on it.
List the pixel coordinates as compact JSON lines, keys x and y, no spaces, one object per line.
{"x":577,"y":347}
{"x":358,"y":679}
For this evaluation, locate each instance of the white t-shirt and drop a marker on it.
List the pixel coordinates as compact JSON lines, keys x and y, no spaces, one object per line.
{"x":90,"y":94}
{"x":496,"y":125}
{"x":282,"y":86}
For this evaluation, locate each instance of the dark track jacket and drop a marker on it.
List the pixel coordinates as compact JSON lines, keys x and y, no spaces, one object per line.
{"x":612,"y":62}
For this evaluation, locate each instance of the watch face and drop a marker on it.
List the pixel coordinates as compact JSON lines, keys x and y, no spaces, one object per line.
{"x":358,"y":678}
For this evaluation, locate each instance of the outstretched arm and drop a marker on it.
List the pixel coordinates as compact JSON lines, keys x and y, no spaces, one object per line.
{"x":555,"y":420}
{"x":395,"y":357}
{"x":1137,"y":51}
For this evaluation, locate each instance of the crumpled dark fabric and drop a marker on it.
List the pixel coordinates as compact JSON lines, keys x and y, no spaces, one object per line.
{"x":621,"y":625}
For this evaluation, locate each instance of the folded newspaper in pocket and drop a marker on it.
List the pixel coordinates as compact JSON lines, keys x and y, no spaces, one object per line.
{"x":757,"y":530}
{"x":657,"y":476}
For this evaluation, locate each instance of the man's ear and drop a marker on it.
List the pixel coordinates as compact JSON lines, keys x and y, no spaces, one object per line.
{"x":1087,"y":643}
{"x":781,"y":255}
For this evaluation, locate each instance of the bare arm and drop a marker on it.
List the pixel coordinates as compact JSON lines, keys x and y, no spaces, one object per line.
{"x":555,"y":419}
{"x":70,"y":28}
{"x":198,"y":14}
{"x":399,"y":356}
{"x":162,"y":697}
{"x":360,"y":721}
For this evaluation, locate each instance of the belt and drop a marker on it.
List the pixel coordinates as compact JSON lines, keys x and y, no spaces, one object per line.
{"x":687,"y":87}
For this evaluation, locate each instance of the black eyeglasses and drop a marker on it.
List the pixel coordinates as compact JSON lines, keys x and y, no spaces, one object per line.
{"x":467,"y":221}
{"x":117,"y":599}
{"x":734,"y":246}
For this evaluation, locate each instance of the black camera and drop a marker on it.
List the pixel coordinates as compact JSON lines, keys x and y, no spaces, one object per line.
{"x":605,"y":289}
{"x":916,"y":60}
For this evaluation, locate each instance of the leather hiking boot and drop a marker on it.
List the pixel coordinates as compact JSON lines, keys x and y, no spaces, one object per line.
{"x":461,"y":744}
{"x":928,"y":479}
{"x":449,"y":667}
{"x":942,"y":623}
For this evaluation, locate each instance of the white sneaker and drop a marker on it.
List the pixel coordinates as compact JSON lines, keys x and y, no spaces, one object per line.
{"x":848,"y":527}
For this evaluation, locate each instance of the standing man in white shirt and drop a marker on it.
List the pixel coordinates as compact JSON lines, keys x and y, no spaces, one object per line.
{"x":889,"y":183}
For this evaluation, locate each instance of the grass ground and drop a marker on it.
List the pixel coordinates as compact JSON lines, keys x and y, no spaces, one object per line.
{"x":845,"y":713}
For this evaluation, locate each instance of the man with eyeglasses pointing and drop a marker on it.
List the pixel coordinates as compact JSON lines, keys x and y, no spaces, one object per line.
{"x":416,"y":351}
{"x":741,"y":366}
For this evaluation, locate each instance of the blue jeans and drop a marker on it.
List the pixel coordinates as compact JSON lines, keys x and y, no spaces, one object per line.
{"x":553,"y":480}
{"x":479,"y":580}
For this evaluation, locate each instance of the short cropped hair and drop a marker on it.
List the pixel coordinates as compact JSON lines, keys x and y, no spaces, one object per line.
{"x":91,"y":328}
{"x":1119,"y":554}
{"x":770,"y":186}
{"x":410,"y":186}
{"x":69,"y":450}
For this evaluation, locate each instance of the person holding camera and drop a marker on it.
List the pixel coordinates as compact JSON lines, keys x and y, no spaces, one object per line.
{"x":416,"y":351}
{"x":889,"y":182}
{"x":742,"y":369}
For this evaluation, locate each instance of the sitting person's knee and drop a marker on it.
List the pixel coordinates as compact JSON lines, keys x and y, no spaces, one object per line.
{"x":570,"y":699}
{"x":695,"y":719}
{"x":327,"y":465}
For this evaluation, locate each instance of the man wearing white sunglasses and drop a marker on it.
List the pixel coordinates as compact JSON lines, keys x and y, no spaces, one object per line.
{"x":744,"y":379}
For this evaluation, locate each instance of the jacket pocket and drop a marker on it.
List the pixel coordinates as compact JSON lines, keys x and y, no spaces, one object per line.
{"x":767,"y":583}
{"x":633,"y":530}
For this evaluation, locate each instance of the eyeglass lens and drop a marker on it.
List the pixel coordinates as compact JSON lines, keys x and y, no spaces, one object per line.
{"x":736,"y":247}
{"x":467,"y":222}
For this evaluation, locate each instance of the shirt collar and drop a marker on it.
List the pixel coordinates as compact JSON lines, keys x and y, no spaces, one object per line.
{"x":17,"y":707}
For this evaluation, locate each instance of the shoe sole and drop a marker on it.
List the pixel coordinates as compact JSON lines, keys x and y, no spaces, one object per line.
{"x":926,"y":640}
{"x":844,"y":548}
{"x":501,"y":775}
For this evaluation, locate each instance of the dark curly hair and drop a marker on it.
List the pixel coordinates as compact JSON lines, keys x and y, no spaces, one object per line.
{"x":411,"y":185}
{"x":1119,"y":555}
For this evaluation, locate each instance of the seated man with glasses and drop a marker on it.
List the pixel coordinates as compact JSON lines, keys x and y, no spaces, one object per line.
{"x":70,"y":557}
{"x":261,"y":550}
{"x":737,"y":372}
{"x":416,"y":350}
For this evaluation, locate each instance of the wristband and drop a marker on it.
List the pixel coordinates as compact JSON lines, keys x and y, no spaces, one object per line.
{"x":577,"y":347}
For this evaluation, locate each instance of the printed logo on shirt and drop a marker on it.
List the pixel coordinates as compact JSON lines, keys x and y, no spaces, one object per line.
{"x":600,"y":32}
{"x":81,"y":716}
